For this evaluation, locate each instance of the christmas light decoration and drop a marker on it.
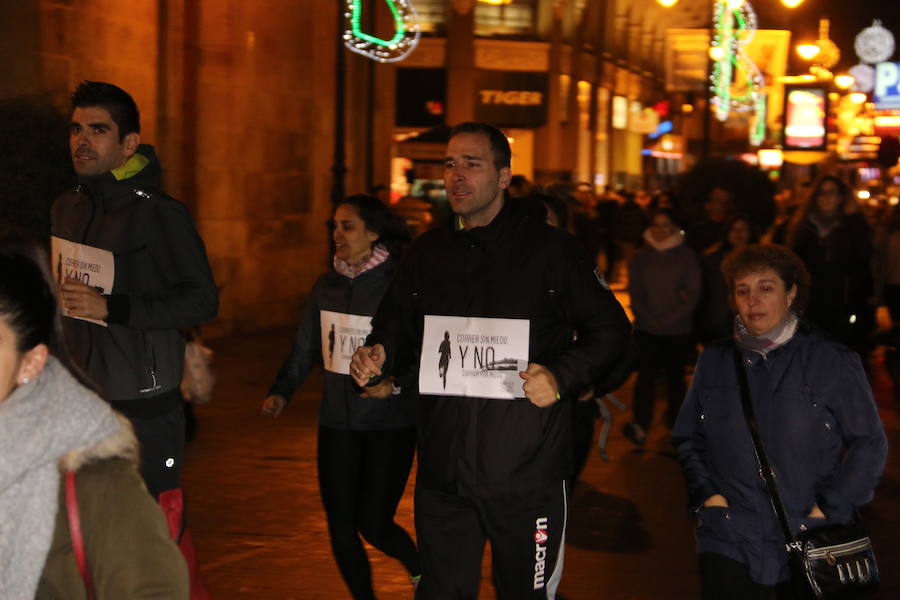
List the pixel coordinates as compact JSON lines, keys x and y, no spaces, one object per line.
{"x":863,"y":78}
{"x":736,"y":81}
{"x":406,"y":32}
{"x":758,"y":123}
{"x":874,"y":44}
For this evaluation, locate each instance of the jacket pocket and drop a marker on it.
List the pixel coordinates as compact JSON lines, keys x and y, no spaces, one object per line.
{"x":716,"y":522}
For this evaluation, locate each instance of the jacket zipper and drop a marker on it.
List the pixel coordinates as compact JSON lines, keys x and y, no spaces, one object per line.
{"x":79,"y":188}
{"x":151,"y":358}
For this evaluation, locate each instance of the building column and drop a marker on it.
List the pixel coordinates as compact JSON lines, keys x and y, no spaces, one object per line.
{"x":548,"y":165}
{"x":460,"y":62}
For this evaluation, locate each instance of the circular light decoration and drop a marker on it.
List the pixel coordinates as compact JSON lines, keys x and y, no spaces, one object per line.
{"x":406,"y":32}
{"x":874,"y":44}
{"x":736,"y":82}
{"x":864,"y":78}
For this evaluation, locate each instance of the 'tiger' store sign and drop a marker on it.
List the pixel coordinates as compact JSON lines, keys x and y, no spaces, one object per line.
{"x":511,"y":98}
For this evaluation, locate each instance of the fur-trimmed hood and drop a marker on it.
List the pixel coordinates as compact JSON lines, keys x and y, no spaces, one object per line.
{"x":122,"y":444}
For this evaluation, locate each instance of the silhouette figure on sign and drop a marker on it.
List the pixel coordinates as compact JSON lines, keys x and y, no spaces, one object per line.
{"x":331,"y":345}
{"x":444,"y":361}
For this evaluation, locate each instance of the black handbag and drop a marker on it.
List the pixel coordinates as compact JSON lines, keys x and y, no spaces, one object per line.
{"x":835,"y":562}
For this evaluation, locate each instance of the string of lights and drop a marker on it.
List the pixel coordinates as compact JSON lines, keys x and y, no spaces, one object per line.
{"x":406,"y":32}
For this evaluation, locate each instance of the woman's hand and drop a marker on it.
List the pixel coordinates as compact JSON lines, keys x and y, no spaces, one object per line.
{"x":716,"y":500}
{"x":816,"y":512}
{"x":273,"y":405}
{"x":366,"y":363}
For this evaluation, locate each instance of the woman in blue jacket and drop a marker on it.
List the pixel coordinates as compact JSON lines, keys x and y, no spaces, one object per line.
{"x":366,"y":440}
{"x":817,"y":419}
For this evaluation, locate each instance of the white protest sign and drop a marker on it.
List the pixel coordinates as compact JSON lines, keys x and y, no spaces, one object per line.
{"x":91,"y":266}
{"x":342,"y":334}
{"x":473,"y":357}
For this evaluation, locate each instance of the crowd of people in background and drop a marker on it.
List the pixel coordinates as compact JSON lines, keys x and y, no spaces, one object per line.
{"x":851,"y":249}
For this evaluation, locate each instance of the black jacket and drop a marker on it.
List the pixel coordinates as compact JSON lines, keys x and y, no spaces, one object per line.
{"x":342,"y":407}
{"x":516,"y":267}
{"x":840,"y":267}
{"x":162,"y":279}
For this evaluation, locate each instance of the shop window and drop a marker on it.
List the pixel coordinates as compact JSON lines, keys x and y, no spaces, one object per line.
{"x":505,"y":18}
{"x":432,"y":16}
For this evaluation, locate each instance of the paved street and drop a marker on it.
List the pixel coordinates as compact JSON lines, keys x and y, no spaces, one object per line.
{"x":257,"y":519}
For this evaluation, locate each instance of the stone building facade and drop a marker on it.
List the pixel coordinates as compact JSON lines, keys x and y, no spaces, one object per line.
{"x":239,"y":99}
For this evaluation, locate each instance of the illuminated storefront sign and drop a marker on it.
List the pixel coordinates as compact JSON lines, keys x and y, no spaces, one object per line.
{"x":770,"y":158}
{"x":887,"y":85}
{"x":805,"y":112}
{"x":511,"y":98}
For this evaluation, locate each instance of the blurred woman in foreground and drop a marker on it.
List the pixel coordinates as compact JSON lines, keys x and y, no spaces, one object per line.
{"x":51,"y":425}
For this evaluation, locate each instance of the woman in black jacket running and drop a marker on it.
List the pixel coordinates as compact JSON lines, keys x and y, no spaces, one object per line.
{"x":366,"y":442}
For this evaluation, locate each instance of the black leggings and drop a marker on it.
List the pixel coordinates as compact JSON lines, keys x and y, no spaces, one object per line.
{"x":362,"y":475}
{"x":162,"y":450}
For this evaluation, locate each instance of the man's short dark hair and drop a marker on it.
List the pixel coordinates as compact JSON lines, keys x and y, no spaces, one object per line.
{"x":498,"y":142}
{"x":116,"y":101}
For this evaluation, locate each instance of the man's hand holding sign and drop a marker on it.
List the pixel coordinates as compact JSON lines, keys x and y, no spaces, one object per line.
{"x":83,"y":301}
{"x":540,"y":385}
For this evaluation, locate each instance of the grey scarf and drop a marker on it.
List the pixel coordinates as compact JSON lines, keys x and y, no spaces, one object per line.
{"x":764,"y":343}
{"x":40,"y":422}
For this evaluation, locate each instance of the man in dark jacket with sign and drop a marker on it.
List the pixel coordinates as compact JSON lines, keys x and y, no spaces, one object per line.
{"x":494,"y":439}
{"x":132,"y":271}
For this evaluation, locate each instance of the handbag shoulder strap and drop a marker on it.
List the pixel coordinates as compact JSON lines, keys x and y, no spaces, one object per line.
{"x":765,"y":468}
{"x":75,"y":534}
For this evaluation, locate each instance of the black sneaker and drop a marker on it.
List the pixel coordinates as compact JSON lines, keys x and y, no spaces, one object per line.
{"x":635,"y":433}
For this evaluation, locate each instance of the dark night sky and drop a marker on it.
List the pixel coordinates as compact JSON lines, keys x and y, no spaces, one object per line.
{"x":848,"y":18}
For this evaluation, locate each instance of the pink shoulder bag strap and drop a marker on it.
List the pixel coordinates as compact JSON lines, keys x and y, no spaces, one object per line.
{"x":75,"y":534}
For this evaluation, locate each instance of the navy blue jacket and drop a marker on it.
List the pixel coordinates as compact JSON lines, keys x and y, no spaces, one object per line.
{"x":342,"y":406}
{"x":821,"y":431}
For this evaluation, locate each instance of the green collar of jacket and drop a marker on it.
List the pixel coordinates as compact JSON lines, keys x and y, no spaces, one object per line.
{"x":131,"y":168}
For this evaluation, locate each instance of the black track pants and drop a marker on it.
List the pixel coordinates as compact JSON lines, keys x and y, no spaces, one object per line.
{"x":527,"y":535}
{"x":162,"y":450}
{"x":362,"y":475}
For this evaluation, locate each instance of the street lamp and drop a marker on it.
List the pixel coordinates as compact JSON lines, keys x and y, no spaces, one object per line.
{"x":667,"y":3}
{"x":843,"y":82}
{"x":808,"y":51}
{"x":792,"y":3}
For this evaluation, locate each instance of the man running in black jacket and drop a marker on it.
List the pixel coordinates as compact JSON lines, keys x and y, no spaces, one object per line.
{"x":495,"y":445}
{"x":133,"y":271}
